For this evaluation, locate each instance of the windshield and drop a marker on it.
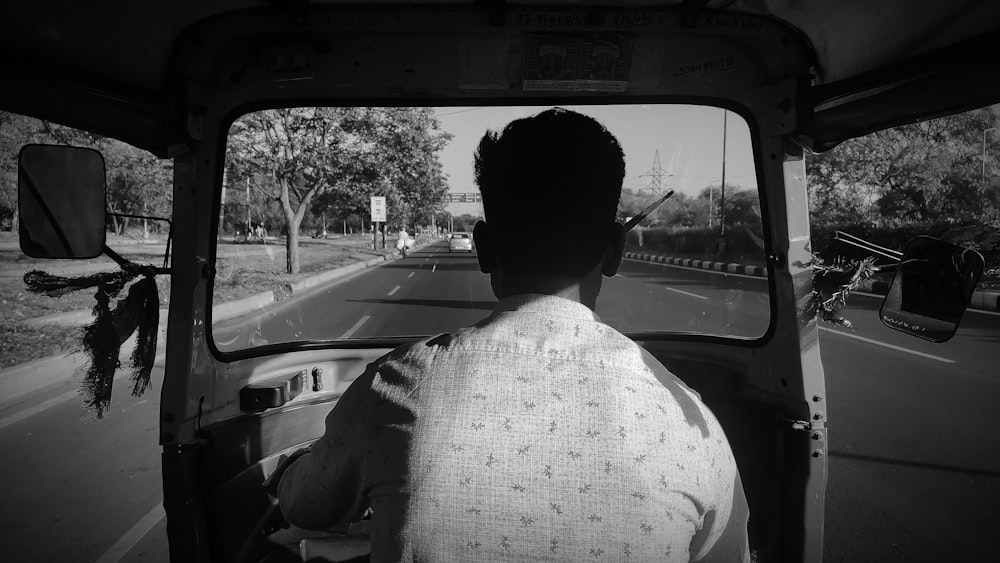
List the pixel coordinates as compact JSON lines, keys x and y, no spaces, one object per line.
{"x":311,"y":242}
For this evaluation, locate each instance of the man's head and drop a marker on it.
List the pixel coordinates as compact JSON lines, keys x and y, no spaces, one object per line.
{"x":550,"y":185}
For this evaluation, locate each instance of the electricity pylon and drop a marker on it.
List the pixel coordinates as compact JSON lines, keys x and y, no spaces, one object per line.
{"x":656,"y":174}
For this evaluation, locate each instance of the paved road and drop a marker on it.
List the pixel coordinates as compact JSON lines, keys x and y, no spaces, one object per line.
{"x":914,"y":469}
{"x":915,"y":454}
{"x":435,"y":291}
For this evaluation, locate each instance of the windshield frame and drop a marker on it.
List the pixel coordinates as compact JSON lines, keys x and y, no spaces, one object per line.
{"x":390,"y":342}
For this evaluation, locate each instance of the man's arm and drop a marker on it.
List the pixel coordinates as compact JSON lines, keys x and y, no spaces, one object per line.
{"x":326,"y":486}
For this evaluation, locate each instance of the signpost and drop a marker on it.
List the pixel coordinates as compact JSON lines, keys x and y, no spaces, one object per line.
{"x":378,"y":216}
{"x":468,"y":197}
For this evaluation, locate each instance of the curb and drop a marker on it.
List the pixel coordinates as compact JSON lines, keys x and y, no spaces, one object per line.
{"x":981,"y":300}
{"x":329,"y":275}
{"x":21,"y":379}
{"x":756,"y":271}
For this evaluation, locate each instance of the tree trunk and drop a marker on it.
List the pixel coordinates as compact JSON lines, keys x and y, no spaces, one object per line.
{"x":292,"y":247}
{"x":293,"y":218}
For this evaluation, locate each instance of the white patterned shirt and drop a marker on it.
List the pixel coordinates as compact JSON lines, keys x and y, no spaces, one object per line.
{"x":539,"y":433}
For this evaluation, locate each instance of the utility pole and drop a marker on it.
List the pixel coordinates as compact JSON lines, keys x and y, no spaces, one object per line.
{"x":711,"y":211}
{"x":982,"y":182}
{"x":722,"y":199}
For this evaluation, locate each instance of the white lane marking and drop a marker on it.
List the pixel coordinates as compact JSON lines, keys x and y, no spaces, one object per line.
{"x":133,"y":535}
{"x":695,"y":269}
{"x":969,"y":310}
{"x":434,"y":269}
{"x":411,"y":274}
{"x":890,"y":346}
{"x":58,"y":399}
{"x":395,"y":289}
{"x":685,"y":293}
{"x":356,"y":326}
{"x":981,"y":311}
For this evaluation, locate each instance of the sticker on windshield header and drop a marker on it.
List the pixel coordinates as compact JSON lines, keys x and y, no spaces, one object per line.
{"x":592,"y":62}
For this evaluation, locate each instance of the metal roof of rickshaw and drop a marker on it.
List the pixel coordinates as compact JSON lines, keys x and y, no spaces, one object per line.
{"x":864,"y":51}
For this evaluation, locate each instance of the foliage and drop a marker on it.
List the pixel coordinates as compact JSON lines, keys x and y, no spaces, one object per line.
{"x":932,"y":171}
{"x":321,"y":160}
{"x":138,"y":182}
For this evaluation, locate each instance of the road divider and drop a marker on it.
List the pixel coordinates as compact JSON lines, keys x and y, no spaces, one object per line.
{"x":755,"y":271}
{"x":981,"y":300}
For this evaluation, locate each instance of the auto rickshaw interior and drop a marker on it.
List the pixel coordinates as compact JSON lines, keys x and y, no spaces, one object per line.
{"x":229,"y":412}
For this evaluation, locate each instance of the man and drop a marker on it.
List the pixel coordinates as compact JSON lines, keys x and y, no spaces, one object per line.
{"x":401,"y":241}
{"x":538,"y":433}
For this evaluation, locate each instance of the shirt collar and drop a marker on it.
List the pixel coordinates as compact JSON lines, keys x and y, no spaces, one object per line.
{"x":548,"y":305}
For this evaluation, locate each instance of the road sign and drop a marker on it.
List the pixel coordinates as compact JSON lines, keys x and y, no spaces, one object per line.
{"x":378,"y":209}
{"x":467,"y":197}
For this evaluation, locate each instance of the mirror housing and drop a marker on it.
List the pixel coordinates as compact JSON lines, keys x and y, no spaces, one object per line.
{"x":931,"y":289}
{"x":61,"y":203}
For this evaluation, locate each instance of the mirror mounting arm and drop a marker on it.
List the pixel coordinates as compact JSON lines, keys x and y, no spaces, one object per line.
{"x":854,"y":241}
{"x":166,"y":252}
{"x":127,"y":265}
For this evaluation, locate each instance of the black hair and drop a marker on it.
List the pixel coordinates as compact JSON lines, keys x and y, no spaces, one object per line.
{"x":550,"y":185}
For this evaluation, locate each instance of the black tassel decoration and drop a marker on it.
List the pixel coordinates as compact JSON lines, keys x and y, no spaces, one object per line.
{"x":103,"y":338}
{"x":145,"y":346}
{"x":55,"y":286}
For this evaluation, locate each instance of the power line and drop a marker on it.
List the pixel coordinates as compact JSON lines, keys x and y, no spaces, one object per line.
{"x":461,"y":111}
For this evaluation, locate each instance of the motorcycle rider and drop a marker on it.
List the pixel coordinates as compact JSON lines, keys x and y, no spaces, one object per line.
{"x":401,"y":241}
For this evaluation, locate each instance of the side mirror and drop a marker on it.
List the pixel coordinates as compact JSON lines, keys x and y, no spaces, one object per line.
{"x":931,"y":289}
{"x":60,"y":202}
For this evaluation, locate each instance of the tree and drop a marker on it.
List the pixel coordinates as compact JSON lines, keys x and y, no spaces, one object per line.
{"x":742,"y":208}
{"x":15,"y":131}
{"x":344,"y":154}
{"x":927,"y":171}
{"x":138,"y":182}
{"x":710,"y":201}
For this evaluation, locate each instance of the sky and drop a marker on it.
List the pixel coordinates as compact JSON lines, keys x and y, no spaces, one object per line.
{"x":687,"y":137}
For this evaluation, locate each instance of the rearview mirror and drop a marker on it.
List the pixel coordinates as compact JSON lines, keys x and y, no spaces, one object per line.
{"x":931,"y":288}
{"x":61,"y":201}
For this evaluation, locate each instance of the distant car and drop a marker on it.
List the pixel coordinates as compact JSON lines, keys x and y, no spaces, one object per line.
{"x":460,"y":241}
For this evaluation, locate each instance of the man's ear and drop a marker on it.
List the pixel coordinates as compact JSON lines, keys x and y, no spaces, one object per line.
{"x":616,"y":247}
{"x":485,"y":251}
